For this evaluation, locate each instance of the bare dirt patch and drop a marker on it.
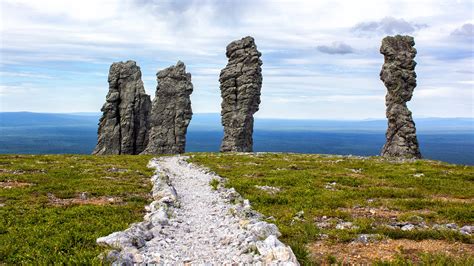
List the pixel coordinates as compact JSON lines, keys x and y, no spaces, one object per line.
{"x":386,"y":250}
{"x":14,"y":184}
{"x":81,"y":200}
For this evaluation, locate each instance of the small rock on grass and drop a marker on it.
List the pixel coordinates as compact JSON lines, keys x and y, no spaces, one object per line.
{"x":346,"y":225}
{"x":408,"y":227}
{"x":366,"y":238}
{"x":467,"y":229}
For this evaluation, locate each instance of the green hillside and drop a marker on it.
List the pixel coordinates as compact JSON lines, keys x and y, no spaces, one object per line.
{"x":46,"y":218}
{"x":53,"y":207}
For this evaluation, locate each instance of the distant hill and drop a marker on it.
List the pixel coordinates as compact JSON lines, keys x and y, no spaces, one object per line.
{"x":14,"y":119}
{"x":211,"y":122}
{"x":447,"y":139}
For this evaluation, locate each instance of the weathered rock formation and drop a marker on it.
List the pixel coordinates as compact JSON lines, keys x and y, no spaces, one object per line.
{"x":124,"y":123}
{"x":398,"y":75}
{"x":171,"y":111}
{"x":241,"y":82}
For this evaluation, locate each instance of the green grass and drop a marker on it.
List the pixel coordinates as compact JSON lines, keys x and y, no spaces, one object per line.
{"x":371,"y":182}
{"x":35,"y":231}
{"x":214,"y":183}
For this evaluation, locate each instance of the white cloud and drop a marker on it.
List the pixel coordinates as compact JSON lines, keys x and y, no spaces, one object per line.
{"x":336,"y":48}
{"x":24,"y":75}
{"x":466,"y":31}
{"x":73,"y":41}
{"x":20,"y":89}
{"x":387,"y":25}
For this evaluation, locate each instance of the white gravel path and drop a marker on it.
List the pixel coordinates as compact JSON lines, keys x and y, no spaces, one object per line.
{"x":190,"y":222}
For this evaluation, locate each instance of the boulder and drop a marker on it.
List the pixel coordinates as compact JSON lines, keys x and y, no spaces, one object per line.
{"x":240,"y":84}
{"x":123,"y":127}
{"x":171,"y":111}
{"x":398,"y":75}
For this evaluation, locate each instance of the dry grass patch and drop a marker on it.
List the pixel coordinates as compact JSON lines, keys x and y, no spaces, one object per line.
{"x":81,"y":200}
{"x":14,"y":184}
{"x":386,"y":250}
{"x":372,"y":212}
{"x":452,"y":199}
{"x":382,"y":213}
{"x":21,"y":172}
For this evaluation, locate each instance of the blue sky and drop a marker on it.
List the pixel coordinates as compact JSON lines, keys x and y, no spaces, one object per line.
{"x":321,"y":59}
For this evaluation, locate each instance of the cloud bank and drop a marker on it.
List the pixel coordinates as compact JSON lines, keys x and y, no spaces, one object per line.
{"x":313,"y":52}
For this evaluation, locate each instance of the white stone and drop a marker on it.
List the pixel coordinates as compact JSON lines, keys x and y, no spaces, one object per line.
{"x":262,"y":230}
{"x":467,"y":229}
{"x":275,"y":251}
{"x":160,"y":217}
{"x":408,"y":227}
{"x":189,"y":222}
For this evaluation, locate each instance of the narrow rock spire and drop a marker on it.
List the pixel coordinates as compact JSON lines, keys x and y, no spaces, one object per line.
{"x":240,"y":84}
{"x":398,"y":75}
{"x":124,"y":123}
{"x":171,"y":111}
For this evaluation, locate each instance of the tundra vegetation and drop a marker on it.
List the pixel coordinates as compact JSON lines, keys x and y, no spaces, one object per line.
{"x":330,"y":209}
{"x":336,"y":209}
{"x":54,"y":207}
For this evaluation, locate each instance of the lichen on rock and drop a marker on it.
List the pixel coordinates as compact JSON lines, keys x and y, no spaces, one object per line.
{"x":240,"y":84}
{"x":398,"y":75}
{"x":123,"y":127}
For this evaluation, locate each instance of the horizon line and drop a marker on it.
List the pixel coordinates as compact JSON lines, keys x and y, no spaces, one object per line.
{"x":259,"y":117}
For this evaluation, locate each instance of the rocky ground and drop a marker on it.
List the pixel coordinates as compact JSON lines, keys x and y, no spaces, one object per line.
{"x":194,"y":220}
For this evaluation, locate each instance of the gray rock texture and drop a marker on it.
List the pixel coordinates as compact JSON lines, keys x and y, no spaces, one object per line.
{"x":398,"y":75}
{"x":124,"y":123}
{"x":240,"y":84}
{"x":171,"y":111}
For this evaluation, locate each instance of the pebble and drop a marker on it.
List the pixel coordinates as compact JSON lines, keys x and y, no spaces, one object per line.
{"x":345,"y":225}
{"x":467,"y":229}
{"x":408,"y":227}
{"x":452,"y":226}
{"x":366,"y":238}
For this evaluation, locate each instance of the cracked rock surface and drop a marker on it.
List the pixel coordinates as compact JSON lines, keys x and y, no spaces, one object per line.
{"x":398,"y":75}
{"x":123,"y":126}
{"x":240,"y":84}
{"x":190,"y":222}
{"x":171,"y":112}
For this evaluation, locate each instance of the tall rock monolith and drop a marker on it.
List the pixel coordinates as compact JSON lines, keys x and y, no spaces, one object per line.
{"x":124,"y":123}
{"x":398,"y":75}
{"x":171,"y":111}
{"x":240,"y":84}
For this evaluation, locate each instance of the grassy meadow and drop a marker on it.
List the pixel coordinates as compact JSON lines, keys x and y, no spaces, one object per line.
{"x":53,"y":207}
{"x":371,"y":193}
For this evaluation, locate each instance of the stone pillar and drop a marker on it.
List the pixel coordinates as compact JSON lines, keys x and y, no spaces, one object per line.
{"x":240,"y":84}
{"x":398,"y":75}
{"x":171,"y":111}
{"x":124,"y":123}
